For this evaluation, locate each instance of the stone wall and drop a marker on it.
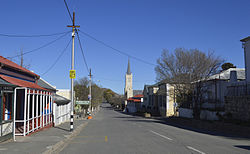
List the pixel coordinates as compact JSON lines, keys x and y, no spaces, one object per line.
{"x":238,"y":107}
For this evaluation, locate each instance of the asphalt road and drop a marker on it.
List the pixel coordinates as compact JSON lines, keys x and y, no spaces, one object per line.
{"x":114,"y":132}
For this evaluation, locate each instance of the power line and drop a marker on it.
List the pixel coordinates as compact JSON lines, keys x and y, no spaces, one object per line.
{"x":68,"y":10}
{"x":115,"y":80}
{"x":45,"y":45}
{"x":84,"y":59}
{"x":77,"y":37}
{"x":39,"y":35}
{"x":57,"y":59}
{"x":117,"y":50}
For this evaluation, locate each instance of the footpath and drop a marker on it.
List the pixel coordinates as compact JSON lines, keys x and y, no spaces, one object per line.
{"x":45,"y":141}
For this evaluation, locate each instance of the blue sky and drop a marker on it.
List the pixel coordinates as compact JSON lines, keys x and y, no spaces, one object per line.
{"x":141,"y":28}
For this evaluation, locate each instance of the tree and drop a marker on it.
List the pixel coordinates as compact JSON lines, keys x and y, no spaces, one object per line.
{"x":113,"y":98}
{"x":117,"y":100}
{"x":226,"y":66}
{"x":81,"y":89}
{"x":185,"y":70}
{"x":108,"y":94}
{"x":97,"y":95}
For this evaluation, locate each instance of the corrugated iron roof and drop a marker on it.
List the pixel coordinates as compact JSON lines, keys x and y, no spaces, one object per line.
{"x":225,"y":75}
{"x":21,"y":83}
{"x":41,"y":82}
{"x":60,"y":100}
{"x":5,"y":83}
{"x":13,"y":65}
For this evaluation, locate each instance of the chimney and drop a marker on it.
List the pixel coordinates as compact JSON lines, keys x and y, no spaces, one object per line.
{"x":233,"y":76}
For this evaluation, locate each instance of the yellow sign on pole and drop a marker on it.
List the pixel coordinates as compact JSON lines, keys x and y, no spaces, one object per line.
{"x":72,"y":74}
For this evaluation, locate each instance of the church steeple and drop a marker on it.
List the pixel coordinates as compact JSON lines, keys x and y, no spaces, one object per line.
{"x":128,"y":70}
{"x":128,"y":91}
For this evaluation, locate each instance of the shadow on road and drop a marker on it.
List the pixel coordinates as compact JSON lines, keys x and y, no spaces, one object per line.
{"x":205,"y":127}
{"x":108,"y":107}
{"x":124,"y":117}
{"x":243,"y":147}
{"x":61,"y":128}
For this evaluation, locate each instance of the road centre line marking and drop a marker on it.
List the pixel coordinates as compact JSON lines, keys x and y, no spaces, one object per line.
{"x":88,"y":137}
{"x":106,"y":138}
{"x":161,"y":135}
{"x":3,"y":149}
{"x":86,"y":142}
{"x":189,"y":147}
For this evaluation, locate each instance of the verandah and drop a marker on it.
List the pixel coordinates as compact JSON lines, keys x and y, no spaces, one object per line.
{"x":32,"y":110}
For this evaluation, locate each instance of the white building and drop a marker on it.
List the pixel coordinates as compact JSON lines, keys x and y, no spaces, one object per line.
{"x":215,"y":87}
{"x":128,"y":91}
{"x":62,"y":106}
{"x":246,"y":46}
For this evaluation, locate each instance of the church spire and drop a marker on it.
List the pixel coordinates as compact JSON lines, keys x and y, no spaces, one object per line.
{"x":128,"y":70}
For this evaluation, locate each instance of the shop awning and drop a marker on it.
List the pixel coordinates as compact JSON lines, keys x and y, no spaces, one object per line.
{"x":21,"y":83}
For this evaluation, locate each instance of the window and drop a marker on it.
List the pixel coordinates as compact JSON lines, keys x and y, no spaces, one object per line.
{"x":6,"y":110}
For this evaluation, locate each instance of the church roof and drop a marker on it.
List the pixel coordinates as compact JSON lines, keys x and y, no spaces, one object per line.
{"x":128,"y":70}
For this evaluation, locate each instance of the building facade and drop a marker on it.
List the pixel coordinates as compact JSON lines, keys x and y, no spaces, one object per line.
{"x":166,"y":100}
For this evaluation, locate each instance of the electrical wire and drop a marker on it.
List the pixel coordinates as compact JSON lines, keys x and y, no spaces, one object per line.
{"x":68,"y":10}
{"x":58,"y":58}
{"x":84,"y":59}
{"x":115,"y":49}
{"x":45,"y":45}
{"x":114,"y":80}
{"x":40,"y":35}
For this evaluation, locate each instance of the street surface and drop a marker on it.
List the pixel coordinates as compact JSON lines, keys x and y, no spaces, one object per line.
{"x":115,"y":132}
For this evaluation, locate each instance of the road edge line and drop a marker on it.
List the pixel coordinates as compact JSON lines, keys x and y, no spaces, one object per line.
{"x":191,"y":148}
{"x":160,"y":135}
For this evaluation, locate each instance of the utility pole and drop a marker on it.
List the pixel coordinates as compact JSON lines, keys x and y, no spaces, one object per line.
{"x":90,"y":96}
{"x":72,"y":74}
{"x":21,"y":57}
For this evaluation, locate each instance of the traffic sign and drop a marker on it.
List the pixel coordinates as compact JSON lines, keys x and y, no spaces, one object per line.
{"x":72,"y":74}
{"x":82,"y":102}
